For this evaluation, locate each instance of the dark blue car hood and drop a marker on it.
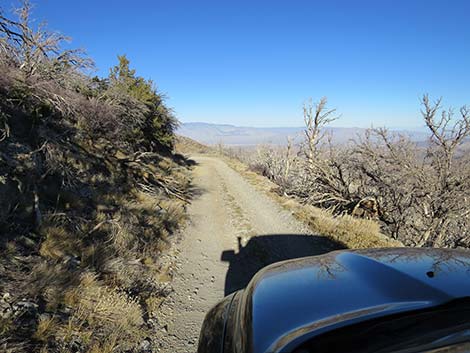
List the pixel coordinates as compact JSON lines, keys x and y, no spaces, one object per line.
{"x":291,"y":300}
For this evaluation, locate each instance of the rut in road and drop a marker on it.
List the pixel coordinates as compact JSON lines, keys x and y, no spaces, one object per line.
{"x":234,"y":230}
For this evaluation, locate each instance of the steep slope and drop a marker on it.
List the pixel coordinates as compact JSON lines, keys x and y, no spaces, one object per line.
{"x":90,"y":193}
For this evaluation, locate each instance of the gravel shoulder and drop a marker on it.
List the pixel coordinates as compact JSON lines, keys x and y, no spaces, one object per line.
{"x":233,"y":231}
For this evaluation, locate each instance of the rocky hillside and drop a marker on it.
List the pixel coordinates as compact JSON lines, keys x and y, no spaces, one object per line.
{"x":90,"y":191}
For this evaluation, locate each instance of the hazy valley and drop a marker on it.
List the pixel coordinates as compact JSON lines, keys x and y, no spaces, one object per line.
{"x":231,"y":135}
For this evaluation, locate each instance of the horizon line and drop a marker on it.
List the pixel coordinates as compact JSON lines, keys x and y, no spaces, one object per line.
{"x":303,"y":127}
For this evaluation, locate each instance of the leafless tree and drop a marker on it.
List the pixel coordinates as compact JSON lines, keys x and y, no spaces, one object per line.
{"x":450,"y":206}
{"x":423,"y":193}
{"x":288,"y":160}
{"x":37,"y":51}
{"x":419,"y":193}
{"x":316,"y":117}
{"x":324,"y":173}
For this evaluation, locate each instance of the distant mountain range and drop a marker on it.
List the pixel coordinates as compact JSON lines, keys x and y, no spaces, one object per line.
{"x":232,"y":135}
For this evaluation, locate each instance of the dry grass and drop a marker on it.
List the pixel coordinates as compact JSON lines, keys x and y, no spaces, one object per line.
{"x":91,"y":193}
{"x":97,"y":269}
{"x":58,"y":243}
{"x":103,"y":319}
{"x":104,"y":308}
{"x":46,"y":329}
{"x":185,"y":145}
{"x":352,"y":232}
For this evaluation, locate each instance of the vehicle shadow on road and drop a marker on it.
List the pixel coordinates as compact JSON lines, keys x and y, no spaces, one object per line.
{"x":264,"y":250}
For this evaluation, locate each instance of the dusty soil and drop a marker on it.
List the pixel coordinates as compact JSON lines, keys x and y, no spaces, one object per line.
{"x":234,"y":230}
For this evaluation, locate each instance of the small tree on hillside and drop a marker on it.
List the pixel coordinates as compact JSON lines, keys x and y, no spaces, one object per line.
{"x":157,"y":124}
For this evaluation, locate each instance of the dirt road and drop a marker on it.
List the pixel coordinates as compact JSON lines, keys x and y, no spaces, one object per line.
{"x":234,"y":230}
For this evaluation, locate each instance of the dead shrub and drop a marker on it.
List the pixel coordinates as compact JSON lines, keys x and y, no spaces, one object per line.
{"x":419,"y":194}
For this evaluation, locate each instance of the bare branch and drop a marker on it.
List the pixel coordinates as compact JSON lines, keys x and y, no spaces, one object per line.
{"x":316,"y":117}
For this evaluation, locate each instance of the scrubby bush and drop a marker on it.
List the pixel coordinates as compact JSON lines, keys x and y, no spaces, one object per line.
{"x":89,"y":193}
{"x":419,"y":194}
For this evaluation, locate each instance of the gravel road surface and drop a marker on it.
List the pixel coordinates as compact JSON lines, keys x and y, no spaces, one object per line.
{"x":234,"y":230}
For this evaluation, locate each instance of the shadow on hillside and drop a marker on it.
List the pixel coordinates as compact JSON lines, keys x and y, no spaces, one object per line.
{"x":264,"y":250}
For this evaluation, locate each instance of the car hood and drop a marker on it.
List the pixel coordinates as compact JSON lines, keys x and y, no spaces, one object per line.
{"x":290,"y":300}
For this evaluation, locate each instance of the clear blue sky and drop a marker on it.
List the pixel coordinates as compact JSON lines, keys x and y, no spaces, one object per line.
{"x":250,"y":62}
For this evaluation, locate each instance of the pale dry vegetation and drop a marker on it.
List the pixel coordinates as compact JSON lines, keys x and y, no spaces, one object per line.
{"x":90,"y":192}
{"x":350,"y":232}
{"x":187,"y":146}
{"x":418,"y":194}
